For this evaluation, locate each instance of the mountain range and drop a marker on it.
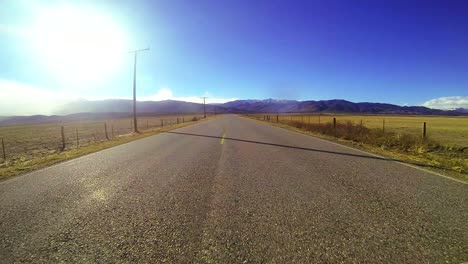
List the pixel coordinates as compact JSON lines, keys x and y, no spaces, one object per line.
{"x":113,"y":108}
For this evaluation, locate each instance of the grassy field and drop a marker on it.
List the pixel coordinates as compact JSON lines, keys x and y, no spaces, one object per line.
{"x":26,"y":143}
{"x":445,"y":148}
{"x":445,"y":129}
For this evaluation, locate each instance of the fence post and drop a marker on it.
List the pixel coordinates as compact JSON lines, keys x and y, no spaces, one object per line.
{"x":3,"y":150}
{"x":334,"y":122}
{"x":277,"y":119}
{"x":77,"y":138}
{"x":383,"y":126}
{"x":319,"y":118}
{"x":183,"y":119}
{"x":62,"y":131}
{"x":302,"y":119}
{"x":424,"y":130}
{"x":177,"y":120}
{"x":105,"y":130}
{"x":147,"y":124}
{"x":162,"y":123}
{"x":112,"y":130}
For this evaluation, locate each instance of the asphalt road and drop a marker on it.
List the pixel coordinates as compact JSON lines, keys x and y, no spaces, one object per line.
{"x":230,"y":190}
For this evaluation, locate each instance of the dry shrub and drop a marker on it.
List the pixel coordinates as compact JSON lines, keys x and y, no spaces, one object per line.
{"x":376,"y":137}
{"x":442,"y":156}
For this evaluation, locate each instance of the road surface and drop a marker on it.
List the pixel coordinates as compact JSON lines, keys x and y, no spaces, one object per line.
{"x":230,"y":190}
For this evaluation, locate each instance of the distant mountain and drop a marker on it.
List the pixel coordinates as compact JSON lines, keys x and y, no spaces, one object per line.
{"x":110,"y":109}
{"x":461,"y":110}
{"x":126,"y":106}
{"x":263,"y":106}
{"x":248,"y":106}
{"x":331,"y":106}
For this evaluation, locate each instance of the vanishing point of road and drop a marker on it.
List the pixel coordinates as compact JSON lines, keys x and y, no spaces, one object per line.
{"x":232,"y":190}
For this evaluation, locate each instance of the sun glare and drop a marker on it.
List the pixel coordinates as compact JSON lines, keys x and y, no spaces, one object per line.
{"x":78,"y":44}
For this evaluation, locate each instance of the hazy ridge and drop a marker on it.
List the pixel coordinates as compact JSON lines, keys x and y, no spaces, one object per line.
{"x":109,"y":109}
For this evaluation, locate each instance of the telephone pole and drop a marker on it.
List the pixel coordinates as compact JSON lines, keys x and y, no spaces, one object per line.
{"x":204,"y":106}
{"x":135,"y":52}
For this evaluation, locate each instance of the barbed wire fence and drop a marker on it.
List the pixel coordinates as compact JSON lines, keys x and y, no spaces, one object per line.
{"x":25,"y":142}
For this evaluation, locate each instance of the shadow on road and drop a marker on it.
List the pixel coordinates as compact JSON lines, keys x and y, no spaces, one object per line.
{"x":308,"y":149}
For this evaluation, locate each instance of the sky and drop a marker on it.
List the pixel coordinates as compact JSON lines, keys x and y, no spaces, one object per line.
{"x":400,"y":52}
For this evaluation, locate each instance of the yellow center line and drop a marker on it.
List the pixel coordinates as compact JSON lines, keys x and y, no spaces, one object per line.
{"x":222,"y":139}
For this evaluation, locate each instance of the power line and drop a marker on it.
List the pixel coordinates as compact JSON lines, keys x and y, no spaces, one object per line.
{"x":135,"y":52}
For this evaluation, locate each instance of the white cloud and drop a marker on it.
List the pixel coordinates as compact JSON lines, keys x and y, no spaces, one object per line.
{"x":166,"y":94}
{"x":14,"y":30}
{"x":162,"y":94}
{"x":23,"y":99}
{"x":450,"y":102}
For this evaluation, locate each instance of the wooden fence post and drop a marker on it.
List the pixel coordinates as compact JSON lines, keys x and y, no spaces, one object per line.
{"x":277,"y":119}
{"x":424,"y":130}
{"x":183,"y":119}
{"x":105,"y":130}
{"x":177,"y":120}
{"x":383,"y":126}
{"x":147,"y":124}
{"x":319,"y":118}
{"x":77,"y":138}
{"x":62,"y":132}
{"x":3,"y":150}
{"x":334,"y":122}
{"x":162,"y":123}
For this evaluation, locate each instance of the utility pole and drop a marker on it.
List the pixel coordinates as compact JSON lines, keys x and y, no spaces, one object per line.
{"x":135,"y":52}
{"x":204,"y":106}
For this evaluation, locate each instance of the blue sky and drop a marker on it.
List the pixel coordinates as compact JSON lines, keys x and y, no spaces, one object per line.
{"x":401,"y":52}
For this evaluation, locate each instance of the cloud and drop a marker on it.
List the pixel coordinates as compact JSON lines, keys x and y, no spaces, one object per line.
{"x":14,"y":30}
{"x":166,"y":94}
{"x":162,"y":94}
{"x":450,"y":102}
{"x":23,"y":99}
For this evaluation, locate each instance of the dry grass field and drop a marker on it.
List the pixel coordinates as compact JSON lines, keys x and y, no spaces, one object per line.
{"x":26,"y":142}
{"x":444,"y":148}
{"x":447,"y":130}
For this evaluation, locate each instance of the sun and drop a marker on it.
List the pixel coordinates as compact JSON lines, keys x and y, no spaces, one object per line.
{"x":78,"y":43}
